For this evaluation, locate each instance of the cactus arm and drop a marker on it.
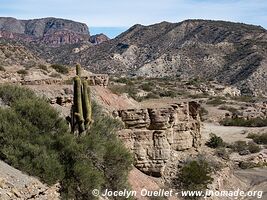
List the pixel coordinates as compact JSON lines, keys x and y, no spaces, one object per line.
{"x":78,"y":104}
{"x":78,"y":70}
{"x":87,"y":110}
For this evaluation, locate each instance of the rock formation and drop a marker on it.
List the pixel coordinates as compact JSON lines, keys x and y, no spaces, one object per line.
{"x":153,"y":134}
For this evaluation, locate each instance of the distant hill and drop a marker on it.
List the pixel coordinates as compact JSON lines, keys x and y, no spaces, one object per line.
{"x":50,"y":31}
{"x":232,"y":53}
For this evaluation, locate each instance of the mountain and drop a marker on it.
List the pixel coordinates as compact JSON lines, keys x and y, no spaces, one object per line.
{"x":49,"y":31}
{"x":232,"y":53}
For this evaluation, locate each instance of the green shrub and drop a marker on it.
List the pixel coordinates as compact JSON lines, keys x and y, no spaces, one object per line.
{"x":2,"y":68}
{"x":43,"y":67}
{"x":247,"y":165}
{"x":222,"y":153}
{"x":258,"y":138}
{"x":215,"y":141}
{"x":168,"y":93}
{"x":216,"y":101}
{"x":242,"y":147}
{"x":229,"y":108}
{"x":11,"y":93}
{"x":147,"y":86}
{"x":255,"y":122}
{"x":55,"y":75}
{"x":34,"y":139}
{"x":60,"y":68}
{"x":23,"y":72}
{"x":253,"y":147}
{"x":195,"y":175}
{"x":244,"y":98}
{"x":239,"y":146}
{"x":151,"y":95}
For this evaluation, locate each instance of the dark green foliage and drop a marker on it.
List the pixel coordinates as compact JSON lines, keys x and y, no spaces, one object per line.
{"x":55,"y":75}
{"x":247,"y":165}
{"x":215,"y":141}
{"x":43,"y":67}
{"x":2,"y":68}
{"x":60,"y":68}
{"x":34,"y":139}
{"x":147,"y":86}
{"x":203,"y":112}
{"x":253,"y":147}
{"x":244,"y":98}
{"x":255,"y":122}
{"x":22,"y":72}
{"x":229,"y":108}
{"x":242,"y":147}
{"x":239,"y":146}
{"x":168,"y":93}
{"x":10,"y":93}
{"x":195,"y":175}
{"x":216,"y":101}
{"x":22,"y":139}
{"x":222,"y":153}
{"x":258,"y":138}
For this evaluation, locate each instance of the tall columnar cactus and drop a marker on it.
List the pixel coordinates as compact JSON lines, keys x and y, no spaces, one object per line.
{"x":87,"y":108}
{"x":81,"y":113}
{"x":78,"y":105}
{"x":78,"y":70}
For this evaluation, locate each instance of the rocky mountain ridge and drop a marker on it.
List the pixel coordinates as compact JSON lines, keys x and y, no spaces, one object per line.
{"x":49,"y":31}
{"x":232,"y":53}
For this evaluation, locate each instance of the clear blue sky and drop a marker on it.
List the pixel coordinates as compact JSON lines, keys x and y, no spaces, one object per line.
{"x":115,"y":16}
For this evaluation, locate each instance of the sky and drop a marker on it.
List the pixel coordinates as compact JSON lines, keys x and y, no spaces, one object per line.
{"x":115,"y":16}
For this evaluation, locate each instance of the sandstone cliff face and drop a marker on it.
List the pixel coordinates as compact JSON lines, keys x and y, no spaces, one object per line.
{"x":50,"y":31}
{"x":155,"y":134}
{"x":98,"y":39}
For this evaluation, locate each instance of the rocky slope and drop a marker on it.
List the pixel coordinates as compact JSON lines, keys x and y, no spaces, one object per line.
{"x":50,"y":31}
{"x":16,"y":185}
{"x":232,"y":53}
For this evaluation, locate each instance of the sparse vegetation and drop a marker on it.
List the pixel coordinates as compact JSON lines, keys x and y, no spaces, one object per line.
{"x":2,"y":69}
{"x":243,"y":148}
{"x":55,"y":75}
{"x":223,"y":153}
{"x":60,"y":68}
{"x":216,"y":101}
{"x":244,"y":98}
{"x":22,"y":72}
{"x":255,"y":122}
{"x":195,"y":175}
{"x":215,"y":141}
{"x":36,"y":140}
{"x":203,"y":112}
{"x":260,"y":138}
{"x":228,"y":108}
{"x":43,"y":67}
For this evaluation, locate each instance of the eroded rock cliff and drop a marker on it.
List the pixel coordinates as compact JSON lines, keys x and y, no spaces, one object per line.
{"x":155,"y":134}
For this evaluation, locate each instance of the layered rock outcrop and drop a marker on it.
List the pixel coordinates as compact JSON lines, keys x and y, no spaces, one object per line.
{"x":153,"y":134}
{"x":94,"y":80}
{"x":51,"y":31}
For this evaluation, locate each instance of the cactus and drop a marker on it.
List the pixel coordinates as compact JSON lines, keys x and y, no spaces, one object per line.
{"x":81,"y":111}
{"x":78,"y":105}
{"x":87,"y":108}
{"x":78,"y":70}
